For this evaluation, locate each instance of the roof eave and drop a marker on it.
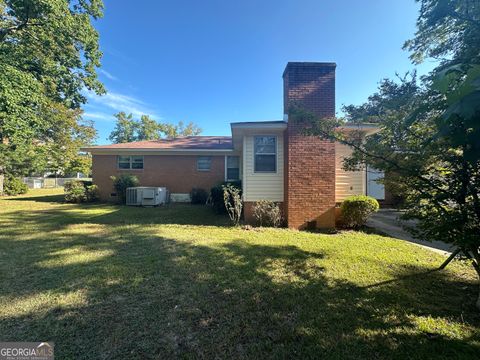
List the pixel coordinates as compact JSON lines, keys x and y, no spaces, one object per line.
{"x":280,"y":125}
{"x":113,"y":150}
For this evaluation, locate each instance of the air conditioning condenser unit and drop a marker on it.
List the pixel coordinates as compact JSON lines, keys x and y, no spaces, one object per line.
{"x":146,"y":196}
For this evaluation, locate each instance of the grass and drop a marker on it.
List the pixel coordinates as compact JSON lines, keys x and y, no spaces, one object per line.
{"x":111,"y":282}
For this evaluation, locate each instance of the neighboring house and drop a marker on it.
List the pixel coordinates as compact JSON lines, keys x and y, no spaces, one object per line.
{"x":273,"y":159}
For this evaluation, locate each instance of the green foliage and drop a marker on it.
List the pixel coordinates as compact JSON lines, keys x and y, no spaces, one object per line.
{"x":199,"y":196}
{"x":128,"y":129}
{"x":148,"y":129}
{"x":172,"y":131}
{"x":14,"y":186}
{"x":392,"y":97}
{"x":233,"y":203}
{"x":430,"y":138}
{"x":216,"y":196}
{"x":446,"y":30}
{"x":80,"y":164}
{"x":121,"y":184}
{"x":78,"y":191}
{"x":75,"y":191}
{"x":48,"y":56}
{"x":357,"y":209}
{"x":124,"y":130}
{"x":92,"y":193}
{"x":267,"y":213}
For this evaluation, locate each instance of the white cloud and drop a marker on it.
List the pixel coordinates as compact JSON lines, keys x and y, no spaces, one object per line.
{"x":98,"y":116}
{"x":107,"y":74}
{"x":120,"y":102}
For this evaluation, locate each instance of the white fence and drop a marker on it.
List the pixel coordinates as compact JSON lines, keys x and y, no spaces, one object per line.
{"x":48,"y":183}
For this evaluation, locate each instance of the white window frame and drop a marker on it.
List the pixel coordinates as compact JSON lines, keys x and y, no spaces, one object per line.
{"x":226,"y":167}
{"x":130,"y":160}
{"x":204,"y":170}
{"x":274,"y":154}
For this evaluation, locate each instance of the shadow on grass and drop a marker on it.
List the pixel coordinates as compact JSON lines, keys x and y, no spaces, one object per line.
{"x":134,"y":293}
{"x":61,"y":216}
{"x":57,"y":198}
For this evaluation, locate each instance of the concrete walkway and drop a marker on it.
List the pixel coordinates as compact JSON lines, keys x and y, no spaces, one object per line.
{"x":388,"y":222}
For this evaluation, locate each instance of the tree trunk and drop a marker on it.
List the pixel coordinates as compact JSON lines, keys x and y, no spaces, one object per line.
{"x":2,"y":180}
{"x":478,"y":299}
{"x":450,"y":258}
{"x":476,"y":265}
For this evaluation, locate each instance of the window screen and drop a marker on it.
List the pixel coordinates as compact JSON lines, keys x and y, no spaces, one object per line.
{"x":233,"y":168}
{"x":204,"y":163}
{"x":265,"y":153}
{"x":130,"y":162}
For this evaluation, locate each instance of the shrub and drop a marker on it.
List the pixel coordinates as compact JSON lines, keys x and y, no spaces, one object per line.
{"x":86,"y":183}
{"x":75,"y":191}
{"x":199,"y":196}
{"x":121,"y":184}
{"x":92,"y":193}
{"x":357,"y":209}
{"x":14,"y":186}
{"x":233,"y":203}
{"x":267,"y":213}
{"x":216,"y":196}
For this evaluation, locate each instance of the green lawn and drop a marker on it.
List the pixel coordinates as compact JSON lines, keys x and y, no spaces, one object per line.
{"x":111,"y":282}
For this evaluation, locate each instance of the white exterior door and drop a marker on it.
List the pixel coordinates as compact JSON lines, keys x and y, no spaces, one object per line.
{"x":375,"y":189}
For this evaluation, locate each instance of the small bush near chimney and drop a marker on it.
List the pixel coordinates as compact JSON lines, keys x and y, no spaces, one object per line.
{"x":357,"y":209}
{"x":199,"y":196}
{"x":267,"y":213}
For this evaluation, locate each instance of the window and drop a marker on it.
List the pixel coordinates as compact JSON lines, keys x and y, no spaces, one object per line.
{"x":265,"y":153}
{"x":130,"y":162}
{"x":233,"y":168}
{"x":204,"y":163}
{"x":137,"y":162}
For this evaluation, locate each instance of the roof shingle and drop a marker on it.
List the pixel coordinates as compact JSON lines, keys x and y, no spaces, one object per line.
{"x":187,"y":142}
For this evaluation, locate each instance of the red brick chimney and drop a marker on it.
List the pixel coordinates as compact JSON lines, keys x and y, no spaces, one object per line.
{"x":309,"y":161}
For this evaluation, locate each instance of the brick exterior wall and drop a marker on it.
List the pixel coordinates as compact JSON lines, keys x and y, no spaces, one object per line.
{"x":178,"y":173}
{"x":310,"y":161}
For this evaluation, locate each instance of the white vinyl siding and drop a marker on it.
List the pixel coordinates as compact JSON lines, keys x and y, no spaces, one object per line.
{"x":347,"y":182}
{"x":262,"y":185}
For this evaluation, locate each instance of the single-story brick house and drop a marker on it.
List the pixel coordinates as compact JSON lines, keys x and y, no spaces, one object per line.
{"x":273,"y":159}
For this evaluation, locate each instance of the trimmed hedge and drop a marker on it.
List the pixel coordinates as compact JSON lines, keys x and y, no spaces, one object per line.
{"x":357,"y":209}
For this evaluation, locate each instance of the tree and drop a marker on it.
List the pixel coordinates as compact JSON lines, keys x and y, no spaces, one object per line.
{"x":127,"y":129}
{"x":172,"y":131}
{"x":429,"y":131}
{"x":148,"y":129}
{"x":48,"y":55}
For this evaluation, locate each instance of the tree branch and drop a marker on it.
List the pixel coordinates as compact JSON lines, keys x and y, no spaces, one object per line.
{"x":378,"y":157}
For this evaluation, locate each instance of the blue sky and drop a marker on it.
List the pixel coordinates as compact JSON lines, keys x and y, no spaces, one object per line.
{"x":214,"y":62}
